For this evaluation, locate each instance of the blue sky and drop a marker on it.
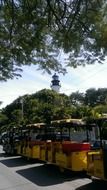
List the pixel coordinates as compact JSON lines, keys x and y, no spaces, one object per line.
{"x":33,"y":80}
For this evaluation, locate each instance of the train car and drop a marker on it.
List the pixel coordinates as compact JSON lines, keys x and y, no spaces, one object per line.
{"x":29,"y":145}
{"x":97,"y":158}
{"x":35,"y":140}
{"x":67,"y":152}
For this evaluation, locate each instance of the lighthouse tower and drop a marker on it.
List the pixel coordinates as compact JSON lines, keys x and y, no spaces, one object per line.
{"x":55,"y":83}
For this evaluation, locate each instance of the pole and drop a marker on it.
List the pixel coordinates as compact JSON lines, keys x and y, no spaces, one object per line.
{"x":21,"y":101}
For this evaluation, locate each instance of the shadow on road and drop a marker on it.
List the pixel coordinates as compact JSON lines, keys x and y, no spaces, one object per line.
{"x":15,"y":162}
{"x":95,"y":185}
{"x":46,"y":175}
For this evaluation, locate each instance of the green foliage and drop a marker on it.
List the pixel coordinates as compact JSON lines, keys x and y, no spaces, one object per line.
{"x":95,"y":97}
{"x":47,"y":105}
{"x":43,"y":106}
{"x":3,"y":119}
{"x":101,"y":109}
{"x":34,"y":32}
{"x":77,"y":98}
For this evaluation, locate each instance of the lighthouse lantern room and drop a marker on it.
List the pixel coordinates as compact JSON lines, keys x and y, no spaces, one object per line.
{"x":55,"y":83}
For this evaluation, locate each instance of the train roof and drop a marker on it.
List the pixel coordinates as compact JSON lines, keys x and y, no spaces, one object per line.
{"x":36,"y":125}
{"x":68,"y":122}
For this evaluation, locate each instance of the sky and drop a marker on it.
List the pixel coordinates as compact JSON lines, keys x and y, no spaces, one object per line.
{"x":33,"y":80}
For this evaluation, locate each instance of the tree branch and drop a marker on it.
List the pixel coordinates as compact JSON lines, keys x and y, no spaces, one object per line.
{"x":12,"y":19}
{"x":54,"y":13}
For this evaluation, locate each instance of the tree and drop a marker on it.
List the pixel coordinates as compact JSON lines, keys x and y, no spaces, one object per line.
{"x":35,"y":32}
{"x":43,"y":106}
{"x":95,"y":97}
{"x":47,"y":105}
{"x":16,"y":118}
{"x":77,"y":98}
{"x":0,"y":102}
{"x":91,"y":97}
{"x":3,"y":119}
{"x":101,"y":109}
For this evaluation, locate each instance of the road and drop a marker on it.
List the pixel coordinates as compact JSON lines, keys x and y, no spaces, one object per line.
{"x":17,"y":173}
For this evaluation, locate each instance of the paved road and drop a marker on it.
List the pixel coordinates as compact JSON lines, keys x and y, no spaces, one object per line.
{"x":19,"y":174}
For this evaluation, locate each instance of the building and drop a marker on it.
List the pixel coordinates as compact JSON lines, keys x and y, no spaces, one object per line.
{"x":55,"y":83}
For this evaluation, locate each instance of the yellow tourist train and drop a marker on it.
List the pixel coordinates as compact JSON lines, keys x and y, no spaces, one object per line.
{"x":71,"y":144}
{"x":97,"y":158}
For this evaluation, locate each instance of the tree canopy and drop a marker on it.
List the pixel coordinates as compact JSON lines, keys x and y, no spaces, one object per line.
{"x":47,"y":105}
{"x":37,"y":31}
{"x":43,"y":106}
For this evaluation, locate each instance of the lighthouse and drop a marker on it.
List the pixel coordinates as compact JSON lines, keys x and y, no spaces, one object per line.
{"x":55,"y":83}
